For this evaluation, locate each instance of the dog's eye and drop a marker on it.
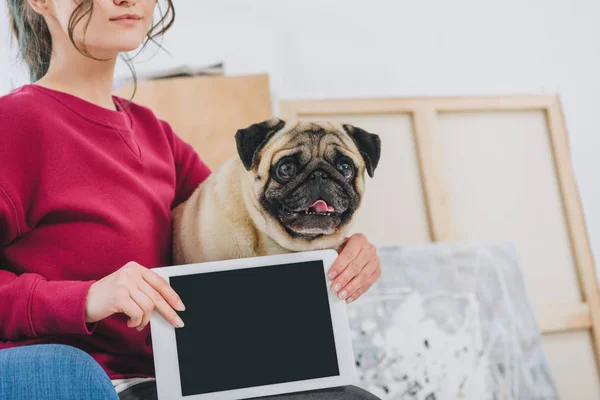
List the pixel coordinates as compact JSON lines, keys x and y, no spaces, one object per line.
{"x":286,"y":170}
{"x":346,"y":169}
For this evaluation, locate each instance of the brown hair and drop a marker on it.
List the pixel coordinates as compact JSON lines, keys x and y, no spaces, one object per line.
{"x":35,"y":43}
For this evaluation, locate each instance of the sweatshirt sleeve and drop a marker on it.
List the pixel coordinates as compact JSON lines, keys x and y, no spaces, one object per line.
{"x":29,"y":304}
{"x":190,"y":170}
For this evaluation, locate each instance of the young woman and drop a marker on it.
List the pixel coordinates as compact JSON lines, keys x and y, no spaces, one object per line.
{"x":87,"y":183}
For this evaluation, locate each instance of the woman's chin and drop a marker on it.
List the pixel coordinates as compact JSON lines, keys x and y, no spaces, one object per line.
{"x":122,"y":44}
{"x":128,"y":46}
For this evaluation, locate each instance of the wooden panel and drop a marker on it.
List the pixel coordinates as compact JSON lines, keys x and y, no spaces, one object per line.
{"x":409,"y":105}
{"x":563,"y":317}
{"x":436,"y":192}
{"x":575,"y":219}
{"x":506,"y":159}
{"x":393,"y":209}
{"x":571,"y":358}
{"x":207,"y":111}
{"x":502,"y":186}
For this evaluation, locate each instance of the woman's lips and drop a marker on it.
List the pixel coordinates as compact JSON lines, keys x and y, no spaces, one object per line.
{"x":128,"y":19}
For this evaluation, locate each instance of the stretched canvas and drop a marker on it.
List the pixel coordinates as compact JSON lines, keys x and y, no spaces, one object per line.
{"x":450,"y":321}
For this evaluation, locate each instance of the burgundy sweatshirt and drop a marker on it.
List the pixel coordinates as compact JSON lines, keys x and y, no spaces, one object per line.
{"x":83,"y":191}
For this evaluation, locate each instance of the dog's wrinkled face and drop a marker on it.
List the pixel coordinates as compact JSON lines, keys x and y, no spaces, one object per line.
{"x":308,"y":176}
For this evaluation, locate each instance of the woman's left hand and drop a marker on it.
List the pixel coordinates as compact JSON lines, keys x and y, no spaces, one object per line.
{"x":356,"y":269}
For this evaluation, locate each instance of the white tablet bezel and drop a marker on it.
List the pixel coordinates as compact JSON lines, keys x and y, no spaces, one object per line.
{"x":165,"y":347}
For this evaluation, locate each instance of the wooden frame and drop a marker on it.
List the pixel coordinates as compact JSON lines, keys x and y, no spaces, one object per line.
{"x":424,"y":112}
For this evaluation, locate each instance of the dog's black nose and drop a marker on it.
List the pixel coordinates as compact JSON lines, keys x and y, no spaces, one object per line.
{"x":321,"y":175}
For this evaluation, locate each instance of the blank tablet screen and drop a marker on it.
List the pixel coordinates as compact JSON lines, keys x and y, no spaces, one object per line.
{"x":253,"y":327}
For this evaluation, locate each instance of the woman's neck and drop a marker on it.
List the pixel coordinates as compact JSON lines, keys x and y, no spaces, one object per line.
{"x":81,"y":76}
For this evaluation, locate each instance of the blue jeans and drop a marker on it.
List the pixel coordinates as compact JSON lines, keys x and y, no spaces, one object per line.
{"x":52,"y":371}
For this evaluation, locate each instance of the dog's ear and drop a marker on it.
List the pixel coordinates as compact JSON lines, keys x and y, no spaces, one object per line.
{"x":369,"y":145}
{"x":252,"y":139}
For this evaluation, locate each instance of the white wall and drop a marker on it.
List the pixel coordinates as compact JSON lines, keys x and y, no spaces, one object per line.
{"x":343,"y":48}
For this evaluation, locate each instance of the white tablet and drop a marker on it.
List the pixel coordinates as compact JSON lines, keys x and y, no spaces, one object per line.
{"x":253,"y":327}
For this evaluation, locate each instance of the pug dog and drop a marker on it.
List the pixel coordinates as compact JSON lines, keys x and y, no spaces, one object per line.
{"x":294,"y":186}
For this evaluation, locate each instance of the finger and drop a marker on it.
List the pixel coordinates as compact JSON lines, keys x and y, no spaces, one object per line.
{"x":349,"y":253}
{"x":145,"y":303}
{"x":353,"y":269}
{"x":163,"y":287}
{"x":161,"y":305}
{"x":354,"y":296}
{"x":363,"y":289}
{"x":130,"y":308}
{"x":368,"y":268}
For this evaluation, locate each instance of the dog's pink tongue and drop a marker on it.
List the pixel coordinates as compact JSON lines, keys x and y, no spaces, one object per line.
{"x":320,"y":206}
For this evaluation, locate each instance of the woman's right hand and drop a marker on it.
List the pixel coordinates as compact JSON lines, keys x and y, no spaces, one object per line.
{"x":135,"y":291}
